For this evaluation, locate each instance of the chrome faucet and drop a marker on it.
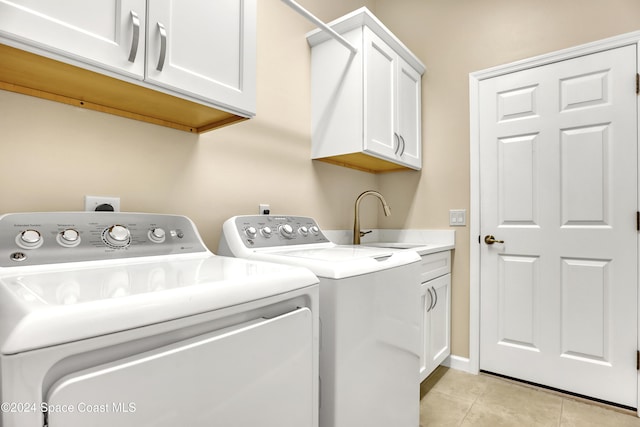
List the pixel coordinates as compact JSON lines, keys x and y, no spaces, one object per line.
{"x":356,"y":220}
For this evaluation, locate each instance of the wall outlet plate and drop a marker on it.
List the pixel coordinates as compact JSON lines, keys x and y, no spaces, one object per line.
{"x":264,"y":209}
{"x":457,"y":217}
{"x":91,"y":203}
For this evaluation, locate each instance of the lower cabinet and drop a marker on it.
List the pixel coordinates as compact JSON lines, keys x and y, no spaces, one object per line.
{"x":435,"y":294}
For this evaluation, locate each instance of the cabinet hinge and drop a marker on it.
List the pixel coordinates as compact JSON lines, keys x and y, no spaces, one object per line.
{"x":637,"y":83}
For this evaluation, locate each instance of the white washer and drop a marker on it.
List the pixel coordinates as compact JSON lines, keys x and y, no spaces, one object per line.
{"x":369,"y":317}
{"x":122,"y":319}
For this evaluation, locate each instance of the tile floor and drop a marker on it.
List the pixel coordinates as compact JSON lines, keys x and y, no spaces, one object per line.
{"x":455,"y":398}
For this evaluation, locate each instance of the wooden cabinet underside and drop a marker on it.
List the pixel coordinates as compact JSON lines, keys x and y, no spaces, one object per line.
{"x":364,"y":162}
{"x":30,"y":74}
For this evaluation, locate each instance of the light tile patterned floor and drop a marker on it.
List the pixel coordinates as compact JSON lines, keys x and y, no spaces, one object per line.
{"x":455,"y":398}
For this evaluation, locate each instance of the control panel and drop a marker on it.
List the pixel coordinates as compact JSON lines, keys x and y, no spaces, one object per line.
{"x":265,"y":231}
{"x":58,"y":237}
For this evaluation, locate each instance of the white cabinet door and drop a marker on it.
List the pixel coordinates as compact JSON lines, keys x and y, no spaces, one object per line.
{"x":108,"y":34}
{"x":440,"y":321}
{"x":409,"y":115}
{"x":425,"y":306}
{"x":380,"y":65}
{"x":205,"y":49}
{"x":436,"y":323}
{"x":392,"y":104}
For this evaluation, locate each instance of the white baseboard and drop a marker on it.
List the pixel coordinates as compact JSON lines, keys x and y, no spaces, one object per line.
{"x":459,"y":363}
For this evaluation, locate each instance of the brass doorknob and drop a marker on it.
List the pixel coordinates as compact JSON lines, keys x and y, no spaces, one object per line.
{"x":490,"y":240}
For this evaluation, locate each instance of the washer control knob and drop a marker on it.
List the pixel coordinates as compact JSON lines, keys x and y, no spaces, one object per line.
{"x":29,"y":239}
{"x":266,"y":232}
{"x":251,"y":232}
{"x":118,"y":236}
{"x":286,"y":231}
{"x":304,"y":231}
{"x":157,"y":235}
{"x":68,"y":238}
{"x":314,"y":230}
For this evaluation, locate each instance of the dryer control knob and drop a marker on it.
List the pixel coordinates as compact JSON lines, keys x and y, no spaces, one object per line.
{"x":29,"y":239}
{"x":286,"y":231}
{"x":117,"y":236}
{"x":266,"y":232}
{"x":251,"y":232}
{"x":70,"y":235}
{"x":68,"y":238}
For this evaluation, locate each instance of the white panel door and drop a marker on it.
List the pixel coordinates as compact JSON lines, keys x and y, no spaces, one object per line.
{"x":205,"y":49}
{"x":107,"y":33}
{"x":558,"y":185}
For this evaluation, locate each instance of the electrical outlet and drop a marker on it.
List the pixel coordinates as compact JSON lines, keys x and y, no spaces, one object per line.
{"x":263,"y":209}
{"x":458,"y":217}
{"x":91,"y":203}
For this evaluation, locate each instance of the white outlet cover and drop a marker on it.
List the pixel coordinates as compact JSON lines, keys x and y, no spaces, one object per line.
{"x":457,"y":217}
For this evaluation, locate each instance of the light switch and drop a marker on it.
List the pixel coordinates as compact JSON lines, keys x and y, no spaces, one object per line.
{"x":457,"y":217}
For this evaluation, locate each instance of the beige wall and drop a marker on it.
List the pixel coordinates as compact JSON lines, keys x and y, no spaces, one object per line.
{"x":51,"y":155}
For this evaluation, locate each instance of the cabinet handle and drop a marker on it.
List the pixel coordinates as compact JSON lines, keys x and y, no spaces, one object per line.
{"x":430,"y":300}
{"x":136,"y":37}
{"x":403,"y":145}
{"x":436,"y":294}
{"x":163,"y":46}
{"x":396,"y":139}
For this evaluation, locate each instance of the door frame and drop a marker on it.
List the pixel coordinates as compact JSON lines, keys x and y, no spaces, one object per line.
{"x":473,"y":364}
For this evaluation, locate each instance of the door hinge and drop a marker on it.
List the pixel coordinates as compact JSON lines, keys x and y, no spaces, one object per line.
{"x":637,"y":83}
{"x":638,"y":221}
{"x":637,"y":360}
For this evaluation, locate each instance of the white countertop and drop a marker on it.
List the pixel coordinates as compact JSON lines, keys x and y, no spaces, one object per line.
{"x":421,"y":241}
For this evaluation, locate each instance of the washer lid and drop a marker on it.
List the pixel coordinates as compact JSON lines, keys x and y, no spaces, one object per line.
{"x":341,"y":261}
{"x":339,"y":253}
{"x":41,"y":308}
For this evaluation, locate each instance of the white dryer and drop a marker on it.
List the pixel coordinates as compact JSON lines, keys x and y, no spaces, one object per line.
{"x":123,"y":319}
{"x":369,"y":317}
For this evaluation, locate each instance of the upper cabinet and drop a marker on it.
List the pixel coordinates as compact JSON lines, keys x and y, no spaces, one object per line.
{"x":108,"y":34}
{"x":205,"y":49}
{"x":187,"y":64}
{"x":366,"y":107}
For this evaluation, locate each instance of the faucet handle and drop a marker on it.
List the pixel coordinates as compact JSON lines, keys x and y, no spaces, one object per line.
{"x":362,"y":233}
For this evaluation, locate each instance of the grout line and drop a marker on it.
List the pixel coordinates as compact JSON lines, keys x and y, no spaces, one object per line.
{"x":470,"y":408}
{"x":561,"y":412}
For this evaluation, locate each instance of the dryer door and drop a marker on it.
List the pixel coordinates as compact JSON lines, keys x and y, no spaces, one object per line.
{"x":254,"y":374}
